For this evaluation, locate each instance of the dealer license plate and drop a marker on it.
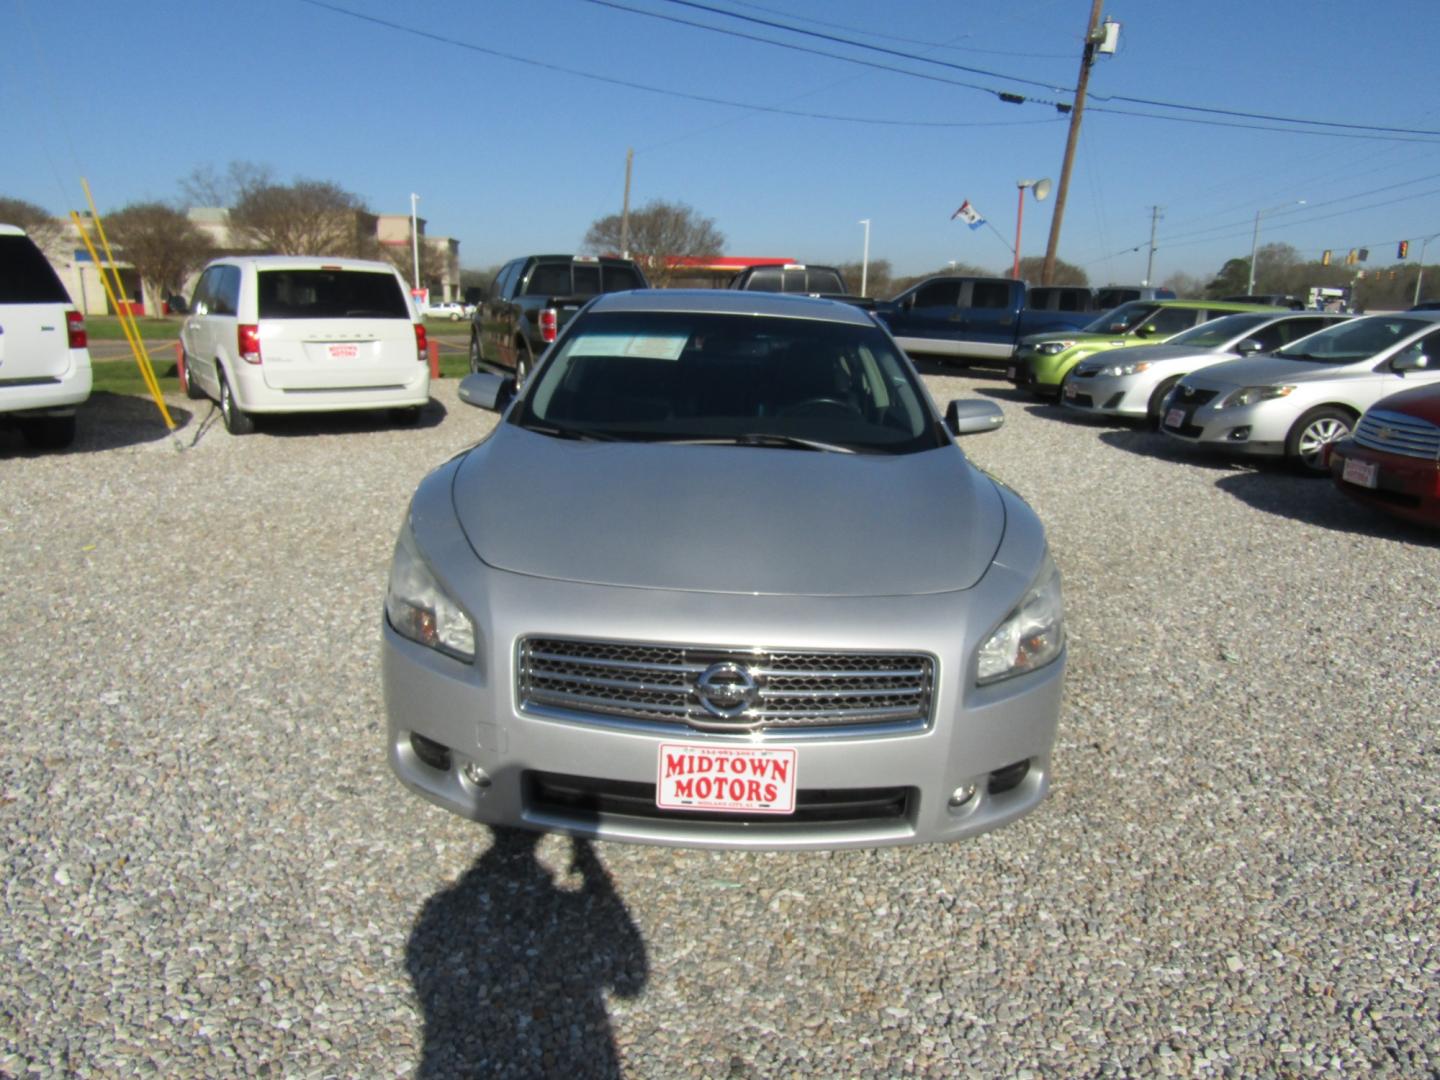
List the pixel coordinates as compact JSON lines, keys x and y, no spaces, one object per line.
{"x":1175,"y":418}
{"x":726,"y":779}
{"x":1010,"y":373}
{"x":1364,"y":473}
{"x":344,"y":352}
{"x":1070,"y":390}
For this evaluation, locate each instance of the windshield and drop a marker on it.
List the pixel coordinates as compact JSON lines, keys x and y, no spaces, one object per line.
{"x":1123,"y":319}
{"x":1358,"y":339}
{"x":1219,"y":332}
{"x":756,"y":380}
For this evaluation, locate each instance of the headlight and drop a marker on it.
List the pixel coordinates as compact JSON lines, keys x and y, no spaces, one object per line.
{"x":1132,"y":368}
{"x":420,"y":610}
{"x":1032,"y":635}
{"x":1051,"y":348}
{"x":1249,"y":395}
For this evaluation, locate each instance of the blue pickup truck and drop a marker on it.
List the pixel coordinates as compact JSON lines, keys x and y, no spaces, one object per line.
{"x":985,"y":318}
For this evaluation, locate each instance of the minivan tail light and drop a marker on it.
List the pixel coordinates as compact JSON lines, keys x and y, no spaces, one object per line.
{"x":422,"y":344}
{"x":549,"y":324}
{"x":75,"y":327}
{"x":249,"y":343}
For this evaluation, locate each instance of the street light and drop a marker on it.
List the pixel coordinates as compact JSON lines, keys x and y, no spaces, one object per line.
{"x":865,"y":258}
{"x":1041,"y":189}
{"x":1255,"y":240}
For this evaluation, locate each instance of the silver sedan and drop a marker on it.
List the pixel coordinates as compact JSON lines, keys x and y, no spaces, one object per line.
{"x":1132,"y":383}
{"x":720,"y":576}
{"x":1296,"y":401}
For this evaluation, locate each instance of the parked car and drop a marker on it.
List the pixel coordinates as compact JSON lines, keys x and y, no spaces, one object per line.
{"x":45,"y":370}
{"x":792,"y":278}
{"x":689,"y":617}
{"x":1112,"y":296}
{"x":1132,"y":383}
{"x":1285,"y":300}
{"x":1299,"y":398}
{"x":448,"y":309}
{"x":292,"y":333}
{"x":1042,"y":361}
{"x":1391,"y":461}
{"x":531,"y":300}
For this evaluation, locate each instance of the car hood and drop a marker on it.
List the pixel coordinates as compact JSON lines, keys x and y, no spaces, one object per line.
{"x":732,"y":519}
{"x":1423,"y":402}
{"x":1070,"y":335}
{"x":1264,"y":370}
{"x":1157,"y":354}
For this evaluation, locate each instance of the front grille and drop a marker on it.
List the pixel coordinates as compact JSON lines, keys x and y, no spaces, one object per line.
{"x":1189,"y":397}
{"x":789,"y":690}
{"x":585,"y":798}
{"x":1397,"y":433}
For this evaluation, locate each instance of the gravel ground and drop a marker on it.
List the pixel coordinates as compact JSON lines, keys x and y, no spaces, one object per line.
{"x":209,"y":871}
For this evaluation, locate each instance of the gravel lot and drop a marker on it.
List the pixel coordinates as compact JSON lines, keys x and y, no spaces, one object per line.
{"x":208,"y":869}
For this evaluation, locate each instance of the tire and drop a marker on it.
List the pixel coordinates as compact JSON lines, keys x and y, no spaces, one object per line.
{"x":193,"y":392}
{"x":407,"y":416}
{"x":477,"y":356}
{"x":454,"y":317}
{"x":524,"y":361}
{"x":48,"y":432}
{"x":1152,"y":409}
{"x":237,"y":420}
{"x":1305,"y":445}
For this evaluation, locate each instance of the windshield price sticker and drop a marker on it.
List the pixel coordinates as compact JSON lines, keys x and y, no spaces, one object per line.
{"x":727,"y":779}
{"x":643,"y":346}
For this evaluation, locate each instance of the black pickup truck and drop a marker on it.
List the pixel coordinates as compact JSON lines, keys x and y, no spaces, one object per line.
{"x":532,"y":298}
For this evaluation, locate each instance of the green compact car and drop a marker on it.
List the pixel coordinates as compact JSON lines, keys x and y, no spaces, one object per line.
{"x":1043,"y":360}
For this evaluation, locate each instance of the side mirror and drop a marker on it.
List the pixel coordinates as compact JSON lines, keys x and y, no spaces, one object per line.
{"x":1249,"y":345}
{"x":1410,"y":360}
{"x":177,"y":305}
{"x":487,"y":390}
{"x":972,"y":416}
{"x":1146,"y":331}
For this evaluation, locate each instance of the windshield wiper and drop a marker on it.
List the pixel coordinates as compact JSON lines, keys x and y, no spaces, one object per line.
{"x":579,"y":434}
{"x":766,"y":439}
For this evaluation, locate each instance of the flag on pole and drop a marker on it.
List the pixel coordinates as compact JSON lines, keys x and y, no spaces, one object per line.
{"x":969,"y":215}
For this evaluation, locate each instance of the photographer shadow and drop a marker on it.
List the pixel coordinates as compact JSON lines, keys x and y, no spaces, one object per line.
{"x":512,"y":968}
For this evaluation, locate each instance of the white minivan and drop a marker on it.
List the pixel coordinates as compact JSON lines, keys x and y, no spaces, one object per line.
{"x":296,"y":333}
{"x":44,"y":349}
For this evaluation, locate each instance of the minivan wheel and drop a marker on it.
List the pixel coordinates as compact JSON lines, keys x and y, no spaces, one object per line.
{"x":237,"y":420}
{"x":193,"y":392}
{"x":475,"y":353}
{"x":1305,"y":445}
{"x":48,"y":432}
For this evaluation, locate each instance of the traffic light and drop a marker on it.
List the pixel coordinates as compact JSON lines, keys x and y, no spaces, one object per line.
{"x":1350,"y":258}
{"x":1403,"y":252}
{"x":1325,"y":257}
{"x":1364,"y":254}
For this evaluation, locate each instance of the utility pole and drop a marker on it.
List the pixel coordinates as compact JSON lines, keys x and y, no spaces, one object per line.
{"x":1155,"y":216}
{"x":1093,"y":37}
{"x":625,"y":213}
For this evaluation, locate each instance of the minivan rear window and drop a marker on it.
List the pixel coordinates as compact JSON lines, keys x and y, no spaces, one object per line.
{"x":26,"y":276}
{"x":330,"y":294}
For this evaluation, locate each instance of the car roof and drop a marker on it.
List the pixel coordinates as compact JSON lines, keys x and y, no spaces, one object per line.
{"x":11,"y":230}
{"x":1212,"y":305}
{"x":301,"y":262}
{"x":731,"y":302}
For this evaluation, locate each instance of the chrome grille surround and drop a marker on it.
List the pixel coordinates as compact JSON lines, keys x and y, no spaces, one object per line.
{"x":1398,"y":433}
{"x":795,"y":691}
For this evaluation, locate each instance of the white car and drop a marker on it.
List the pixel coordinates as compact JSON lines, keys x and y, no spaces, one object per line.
{"x":294,"y":333}
{"x":1295,"y":401}
{"x":448,"y":309}
{"x":1132,"y":383}
{"x":44,"y":349}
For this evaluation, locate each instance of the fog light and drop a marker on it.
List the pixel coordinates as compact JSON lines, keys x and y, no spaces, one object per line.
{"x":962,"y":795}
{"x":475,"y":775}
{"x":1239,"y":434}
{"x":432,"y":753}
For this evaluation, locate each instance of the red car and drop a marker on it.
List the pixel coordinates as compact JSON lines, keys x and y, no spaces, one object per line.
{"x":1392,"y":459}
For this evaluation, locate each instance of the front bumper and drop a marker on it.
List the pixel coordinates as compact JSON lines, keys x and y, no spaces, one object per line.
{"x":1108,"y":395}
{"x":1407,"y":487}
{"x":1257,"y":430}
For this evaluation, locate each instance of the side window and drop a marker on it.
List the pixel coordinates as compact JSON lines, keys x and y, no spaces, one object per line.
{"x":1429,"y":346}
{"x":766,"y":280}
{"x":200,"y":302}
{"x":549,"y":279}
{"x":938,"y":294}
{"x":1288,"y":330}
{"x":992,"y":295}
{"x":619,"y":279}
{"x":1170,"y":321}
{"x":225,"y":294}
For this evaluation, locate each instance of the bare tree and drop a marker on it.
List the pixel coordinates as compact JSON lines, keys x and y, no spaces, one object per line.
{"x":877,"y":275}
{"x":160,"y":242}
{"x":659,"y":231}
{"x":35,"y":220}
{"x":308,"y":217}
{"x":205,"y":187}
{"x":434,"y":261}
{"x":1031,"y":267}
{"x":1185,"y":286}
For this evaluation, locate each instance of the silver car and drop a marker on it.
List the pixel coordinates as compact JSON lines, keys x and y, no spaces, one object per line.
{"x":1299,"y":399}
{"x":1133,"y":383}
{"x":721,"y":577}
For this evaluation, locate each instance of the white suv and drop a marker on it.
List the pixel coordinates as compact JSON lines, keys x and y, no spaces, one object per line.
{"x":296,"y":333}
{"x":44,"y":353}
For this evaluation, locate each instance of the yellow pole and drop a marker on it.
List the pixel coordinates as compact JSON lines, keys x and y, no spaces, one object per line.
{"x":131,"y":334}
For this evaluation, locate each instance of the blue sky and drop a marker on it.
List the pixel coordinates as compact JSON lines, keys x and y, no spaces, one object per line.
{"x":512,"y":157}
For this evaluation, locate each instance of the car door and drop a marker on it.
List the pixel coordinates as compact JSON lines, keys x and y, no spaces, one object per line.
{"x":989,"y":312}
{"x":195,"y":333}
{"x":932,"y":311}
{"x":495,"y":338}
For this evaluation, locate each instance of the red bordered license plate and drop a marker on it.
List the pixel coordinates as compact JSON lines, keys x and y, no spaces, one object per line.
{"x":1070,"y":390}
{"x":1364,"y":473}
{"x":1175,"y":418}
{"x":726,"y":779}
{"x":344,"y":352}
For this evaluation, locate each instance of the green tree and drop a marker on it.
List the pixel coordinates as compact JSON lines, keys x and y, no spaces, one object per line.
{"x":161,"y":243}
{"x":1233,"y":279}
{"x":658,"y":231}
{"x":44,"y":229}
